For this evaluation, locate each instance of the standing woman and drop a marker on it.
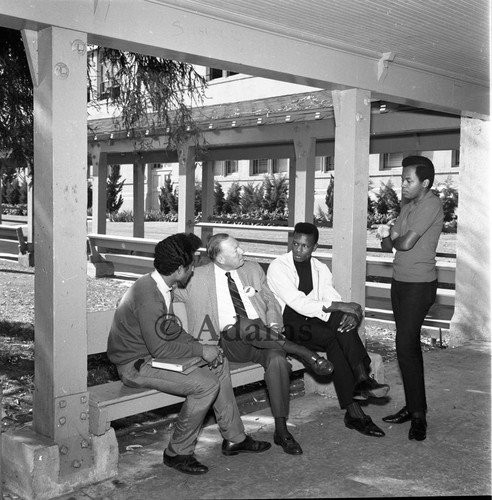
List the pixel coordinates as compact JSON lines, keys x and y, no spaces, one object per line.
{"x":414,"y":237}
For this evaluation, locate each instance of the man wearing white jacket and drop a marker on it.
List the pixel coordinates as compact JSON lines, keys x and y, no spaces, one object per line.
{"x":315,"y":316}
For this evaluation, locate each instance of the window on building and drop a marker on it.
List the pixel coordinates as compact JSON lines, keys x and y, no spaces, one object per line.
{"x":387,"y":161}
{"x":280,"y":166}
{"x":455,"y":158}
{"x":214,"y":73}
{"x":325,"y":164}
{"x":259,"y":167}
{"x":230,"y":167}
{"x":106,"y":91}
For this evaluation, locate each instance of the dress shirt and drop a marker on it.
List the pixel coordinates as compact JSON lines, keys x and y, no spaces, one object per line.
{"x":163,"y":288}
{"x":225,"y":307}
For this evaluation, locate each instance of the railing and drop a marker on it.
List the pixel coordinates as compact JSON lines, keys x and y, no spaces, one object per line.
{"x":135,"y":255}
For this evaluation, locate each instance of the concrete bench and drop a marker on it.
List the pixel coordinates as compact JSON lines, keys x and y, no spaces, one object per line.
{"x":113,"y":400}
{"x":12,"y":240}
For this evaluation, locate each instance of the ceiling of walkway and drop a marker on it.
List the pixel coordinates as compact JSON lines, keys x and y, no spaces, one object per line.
{"x":432,"y":54}
{"x":449,"y":37}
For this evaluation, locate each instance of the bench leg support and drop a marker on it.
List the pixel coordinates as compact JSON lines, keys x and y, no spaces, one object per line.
{"x":100,"y":269}
{"x":31,"y":464}
{"x":324,"y":385}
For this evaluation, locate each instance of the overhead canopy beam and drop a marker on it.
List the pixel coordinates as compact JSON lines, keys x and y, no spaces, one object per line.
{"x":158,"y":29}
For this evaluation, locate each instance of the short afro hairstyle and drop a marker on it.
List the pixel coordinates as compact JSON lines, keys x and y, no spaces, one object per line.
{"x":307,"y":228}
{"x":174,"y":251}
{"x":424,"y":168}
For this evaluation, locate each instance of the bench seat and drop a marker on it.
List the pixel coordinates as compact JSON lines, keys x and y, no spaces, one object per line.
{"x":114,"y":400}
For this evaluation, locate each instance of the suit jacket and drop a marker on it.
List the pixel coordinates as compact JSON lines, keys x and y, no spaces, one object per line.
{"x":200,"y":297}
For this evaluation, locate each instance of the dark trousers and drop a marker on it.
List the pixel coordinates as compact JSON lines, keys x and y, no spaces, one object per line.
{"x":411,"y":303}
{"x":251,"y":341}
{"x":344,"y":350}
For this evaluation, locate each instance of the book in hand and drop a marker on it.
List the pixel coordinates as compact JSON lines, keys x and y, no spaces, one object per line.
{"x":181,"y":365}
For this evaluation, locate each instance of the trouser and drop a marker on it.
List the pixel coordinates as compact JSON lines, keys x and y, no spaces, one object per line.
{"x":411,"y":303}
{"x":251,"y":341}
{"x":203,"y":388}
{"x":344,"y":350}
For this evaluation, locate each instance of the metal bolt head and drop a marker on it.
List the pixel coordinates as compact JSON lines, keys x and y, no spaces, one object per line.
{"x":78,"y":46}
{"x":63,"y":449}
{"x":62,"y":420}
{"x":61,"y":70}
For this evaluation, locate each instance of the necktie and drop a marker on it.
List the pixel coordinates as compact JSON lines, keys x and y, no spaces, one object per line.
{"x":236,"y":298}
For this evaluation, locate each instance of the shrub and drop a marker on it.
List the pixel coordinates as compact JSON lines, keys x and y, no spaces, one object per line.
{"x":123,"y":216}
{"x":219,"y":198}
{"x":114,"y":186}
{"x":168,"y":198}
{"x":233,"y":199}
{"x":251,"y":197}
{"x":387,"y":202}
{"x":275,"y":193}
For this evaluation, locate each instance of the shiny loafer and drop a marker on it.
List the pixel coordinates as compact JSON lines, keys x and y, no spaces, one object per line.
{"x":187,"y":464}
{"x":418,"y":429}
{"x":399,"y":417}
{"x":288,"y":443}
{"x":364,"y":425}
{"x":320,"y":365}
{"x":370,"y":388}
{"x":248,"y":445}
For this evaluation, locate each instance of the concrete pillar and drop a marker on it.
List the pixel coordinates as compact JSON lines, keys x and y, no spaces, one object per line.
{"x":471,"y":319}
{"x":139,"y":199}
{"x":57,"y":453}
{"x":305,"y":149}
{"x":207,"y":198}
{"x":186,"y":202}
{"x":99,"y":189}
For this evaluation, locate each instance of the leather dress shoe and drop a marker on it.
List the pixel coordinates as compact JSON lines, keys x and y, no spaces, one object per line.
{"x":364,"y":425}
{"x":418,"y":429}
{"x":320,"y":365}
{"x":288,"y":443}
{"x":370,"y":388}
{"x":187,"y":464}
{"x":399,"y":417}
{"x":248,"y":445}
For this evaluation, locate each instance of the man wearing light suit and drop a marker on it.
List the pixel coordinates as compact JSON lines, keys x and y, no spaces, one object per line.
{"x":230,"y":299}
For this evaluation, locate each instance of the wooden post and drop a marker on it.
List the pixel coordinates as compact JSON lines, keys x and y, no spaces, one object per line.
{"x":352,"y":118}
{"x":99,"y":189}
{"x":186,"y":202}
{"x":305,"y":147}
{"x":139,"y":199}
{"x":207,"y":198}
{"x":60,"y":401}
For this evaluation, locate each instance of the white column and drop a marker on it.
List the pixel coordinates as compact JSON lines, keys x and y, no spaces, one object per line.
{"x":99,"y":189}
{"x":305,"y":149}
{"x":352,"y":118}
{"x":139,"y":199}
{"x":471,"y":319}
{"x":186,"y":202}
{"x":60,"y":409}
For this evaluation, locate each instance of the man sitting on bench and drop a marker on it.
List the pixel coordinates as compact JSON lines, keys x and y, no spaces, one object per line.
{"x":144,"y":327}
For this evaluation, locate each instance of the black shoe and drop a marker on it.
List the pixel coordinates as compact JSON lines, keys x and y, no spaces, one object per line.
{"x":187,"y":464}
{"x":364,"y":425}
{"x":399,"y":417}
{"x":370,"y":388}
{"x":249,"y":445}
{"x":288,"y":443}
{"x":418,"y":429}
{"x":320,"y":365}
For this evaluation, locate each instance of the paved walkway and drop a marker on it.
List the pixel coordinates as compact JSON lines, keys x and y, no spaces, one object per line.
{"x":454,"y":460}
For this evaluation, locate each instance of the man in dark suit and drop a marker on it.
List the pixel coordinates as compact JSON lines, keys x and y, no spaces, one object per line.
{"x":230,"y":298}
{"x":144,"y":327}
